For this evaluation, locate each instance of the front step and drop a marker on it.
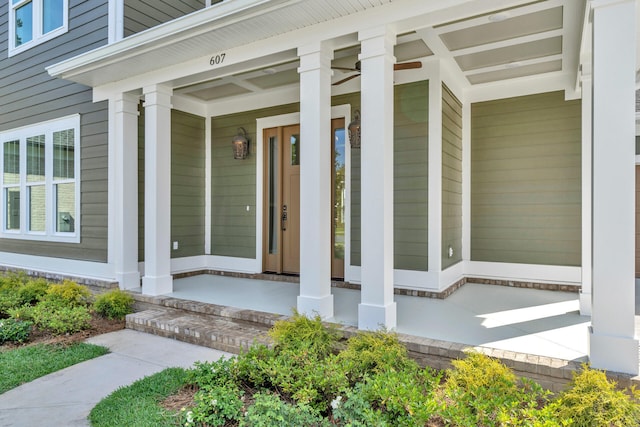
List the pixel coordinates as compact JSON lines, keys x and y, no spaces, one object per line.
{"x":220,"y":333}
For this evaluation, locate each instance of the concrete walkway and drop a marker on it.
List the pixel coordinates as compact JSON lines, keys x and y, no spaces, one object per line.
{"x":66,"y":397}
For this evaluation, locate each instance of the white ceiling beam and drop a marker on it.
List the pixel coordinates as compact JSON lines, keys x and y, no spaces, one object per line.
{"x":514,"y":65}
{"x":432,"y":39}
{"x":509,"y":42}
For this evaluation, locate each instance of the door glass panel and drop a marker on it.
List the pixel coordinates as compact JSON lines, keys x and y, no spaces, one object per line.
{"x":273,"y":196}
{"x":295,"y":150}
{"x":339,"y":193}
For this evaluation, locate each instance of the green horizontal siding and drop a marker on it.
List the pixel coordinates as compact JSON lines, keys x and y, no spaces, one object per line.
{"x":451,"y":178}
{"x":526,"y":180}
{"x":411,"y":176}
{"x":187,"y":183}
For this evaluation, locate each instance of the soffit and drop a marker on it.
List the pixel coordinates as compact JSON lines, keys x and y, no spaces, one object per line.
{"x":540,"y":38}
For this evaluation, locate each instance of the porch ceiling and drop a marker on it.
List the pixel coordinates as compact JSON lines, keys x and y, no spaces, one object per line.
{"x":485,"y":42}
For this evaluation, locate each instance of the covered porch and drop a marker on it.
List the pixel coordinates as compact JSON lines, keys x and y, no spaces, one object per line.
{"x":503,"y":151}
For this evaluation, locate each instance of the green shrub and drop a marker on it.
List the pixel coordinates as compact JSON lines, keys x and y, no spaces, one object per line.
{"x":24,"y":312}
{"x":115,"y":304}
{"x":9,"y":299}
{"x":592,"y":400}
{"x":253,"y":366}
{"x":33,"y":291}
{"x":68,"y":293}
{"x":269,"y":410}
{"x":12,"y":330}
{"x":216,"y":406}
{"x":300,"y":333}
{"x":213,"y":374}
{"x":482,"y":391}
{"x":61,"y":319}
{"x":373,"y":352}
{"x":12,"y":281}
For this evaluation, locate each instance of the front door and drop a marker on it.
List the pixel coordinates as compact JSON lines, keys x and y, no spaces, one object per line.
{"x":282,"y":199}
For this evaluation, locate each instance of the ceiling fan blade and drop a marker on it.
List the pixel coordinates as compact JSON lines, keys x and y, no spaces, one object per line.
{"x":344,"y":69}
{"x":407,"y":65}
{"x":345,"y":80}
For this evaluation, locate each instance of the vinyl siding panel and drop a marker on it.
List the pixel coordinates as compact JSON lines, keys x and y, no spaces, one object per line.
{"x":410,"y":188}
{"x":233,"y":184}
{"x":451,"y":178}
{"x":28,"y":95}
{"x":526,"y":180}
{"x":140,"y":15}
{"x":187,"y":183}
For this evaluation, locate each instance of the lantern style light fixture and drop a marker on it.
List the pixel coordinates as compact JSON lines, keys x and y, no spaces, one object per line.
{"x":354,"y":130}
{"x":240,"y":145}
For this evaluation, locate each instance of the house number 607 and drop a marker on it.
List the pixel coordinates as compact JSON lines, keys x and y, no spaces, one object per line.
{"x":217,"y":59}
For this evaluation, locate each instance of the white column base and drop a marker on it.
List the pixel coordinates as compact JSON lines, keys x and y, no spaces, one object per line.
{"x":157,"y":285}
{"x":312,"y":306}
{"x":375,"y":317}
{"x":129,"y":280}
{"x":612,"y":353}
{"x":585,"y":304}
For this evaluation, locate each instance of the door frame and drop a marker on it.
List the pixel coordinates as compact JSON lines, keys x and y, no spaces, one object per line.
{"x":339,"y":111}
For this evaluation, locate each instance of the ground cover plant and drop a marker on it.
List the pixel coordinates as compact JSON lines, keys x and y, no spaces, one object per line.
{"x":313,"y":377}
{"x":33,"y":310}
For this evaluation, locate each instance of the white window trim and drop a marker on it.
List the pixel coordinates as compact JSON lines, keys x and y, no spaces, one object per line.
{"x":38,"y":37}
{"x":47,"y":128}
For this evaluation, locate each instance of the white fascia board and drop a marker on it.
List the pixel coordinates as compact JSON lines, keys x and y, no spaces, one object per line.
{"x":541,"y":83}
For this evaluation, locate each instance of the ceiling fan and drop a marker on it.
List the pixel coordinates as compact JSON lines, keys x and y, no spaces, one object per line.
{"x":356,"y":69}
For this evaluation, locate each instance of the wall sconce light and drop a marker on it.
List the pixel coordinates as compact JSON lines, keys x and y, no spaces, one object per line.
{"x":240,"y":145}
{"x":354,"y":130}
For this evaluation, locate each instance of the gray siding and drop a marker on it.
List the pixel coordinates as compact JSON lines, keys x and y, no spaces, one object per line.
{"x":410,"y":171}
{"x":526,"y":180}
{"x":140,"y":15}
{"x":29,"y":96}
{"x":233,"y":184}
{"x":451,"y":178}
{"x":187,"y":184}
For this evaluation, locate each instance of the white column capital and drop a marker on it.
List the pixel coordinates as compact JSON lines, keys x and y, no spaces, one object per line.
{"x":157,"y":95}
{"x":315,"y":56}
{"x":126,"y":103}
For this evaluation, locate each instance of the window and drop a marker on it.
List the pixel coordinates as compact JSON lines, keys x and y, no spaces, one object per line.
{"x":32,"y":22}
{"x":40,"y":189}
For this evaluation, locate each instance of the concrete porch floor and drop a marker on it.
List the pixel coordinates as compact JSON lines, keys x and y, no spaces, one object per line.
{"x":537,"y":322}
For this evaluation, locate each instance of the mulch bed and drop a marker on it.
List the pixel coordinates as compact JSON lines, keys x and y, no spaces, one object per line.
{"x":99,"y":326}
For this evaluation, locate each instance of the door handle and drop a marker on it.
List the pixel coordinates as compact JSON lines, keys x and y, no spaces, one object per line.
{"x":284,"y":218}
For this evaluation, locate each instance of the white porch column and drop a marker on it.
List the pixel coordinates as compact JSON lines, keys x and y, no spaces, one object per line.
{"x":125,"y":140}
{"x":612,"y":339}
{"x":435,"y":172}
{"x":315,"y":180}
{"x":587,"y":101}
{"x":377,"y":308}
{"x":157,"y":279}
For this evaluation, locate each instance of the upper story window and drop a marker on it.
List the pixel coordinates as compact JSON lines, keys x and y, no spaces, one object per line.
{"x":32,"y":22}
{"x":40,"y":187}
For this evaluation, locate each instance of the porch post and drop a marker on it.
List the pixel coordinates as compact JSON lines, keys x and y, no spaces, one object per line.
{"x":125,"y":141}
{"x":377,"y":308}
{"x":612,"y":343}
{"x":315,"y":180}
{"x":585,"y":291}
{"x":157,"y":278}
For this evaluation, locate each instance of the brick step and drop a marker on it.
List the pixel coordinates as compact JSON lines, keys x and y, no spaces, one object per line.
{"x":221,"y":333}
